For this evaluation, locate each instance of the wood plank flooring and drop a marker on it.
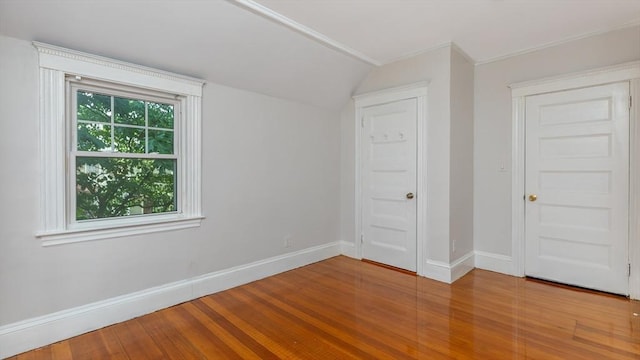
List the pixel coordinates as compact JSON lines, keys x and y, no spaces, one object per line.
{"x":346,"y":309}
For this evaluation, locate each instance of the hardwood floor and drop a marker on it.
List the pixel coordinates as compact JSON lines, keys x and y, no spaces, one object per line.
{"x":346,"y":309}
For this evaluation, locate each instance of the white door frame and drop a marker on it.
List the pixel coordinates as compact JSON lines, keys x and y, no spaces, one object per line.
{"x":416,"y":91}
{"x":618,"y":73}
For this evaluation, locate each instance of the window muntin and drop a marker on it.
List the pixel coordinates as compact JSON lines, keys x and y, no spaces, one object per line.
{"x":124,"y":154}
{"x":58,"y":67}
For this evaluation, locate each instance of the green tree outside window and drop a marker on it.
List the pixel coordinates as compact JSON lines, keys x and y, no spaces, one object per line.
{"x":128,"y":181}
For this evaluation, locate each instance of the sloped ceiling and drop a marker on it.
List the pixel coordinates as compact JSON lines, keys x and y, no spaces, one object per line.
{"x":386,"y":30}
{"x":230,"y":43}
{"x":213,"y":40}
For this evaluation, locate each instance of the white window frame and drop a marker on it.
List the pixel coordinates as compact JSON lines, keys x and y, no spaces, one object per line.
{"x":56,"y":226}
{"x":75,"y":84}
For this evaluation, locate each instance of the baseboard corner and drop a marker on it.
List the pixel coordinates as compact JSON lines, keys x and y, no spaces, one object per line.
{"x":494,"y":262}
{"x":348,"y":248}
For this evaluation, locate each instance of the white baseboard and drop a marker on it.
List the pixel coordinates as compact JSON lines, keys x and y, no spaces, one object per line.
{"x":448,"y":273}
{"x":494,"y":262}
{"x":462,"y":266}
{"x":33,"y":333}
{"x":348,"y":248}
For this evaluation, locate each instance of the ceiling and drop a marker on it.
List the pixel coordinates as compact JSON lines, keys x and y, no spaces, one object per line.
{"x":387,"y":30}
{"x":310,"y":51}
{"x":210,"y":39}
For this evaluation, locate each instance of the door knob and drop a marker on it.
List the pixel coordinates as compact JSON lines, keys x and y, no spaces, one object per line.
{"x":409,"y":195}
{"x":533,"y":197}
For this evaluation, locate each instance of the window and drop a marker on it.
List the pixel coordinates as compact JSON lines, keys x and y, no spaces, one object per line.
{"x":119,"y":155}
{"x":123,"y":154}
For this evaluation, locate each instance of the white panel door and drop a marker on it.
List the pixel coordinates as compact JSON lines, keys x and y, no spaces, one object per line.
{"x":389,"y":154}
{"x":577,"y":165}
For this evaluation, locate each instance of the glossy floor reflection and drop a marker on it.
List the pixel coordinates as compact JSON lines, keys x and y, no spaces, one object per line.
{"x":346,"y":309}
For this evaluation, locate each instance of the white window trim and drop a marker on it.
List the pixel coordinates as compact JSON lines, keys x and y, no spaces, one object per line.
{"x":55,"y":64}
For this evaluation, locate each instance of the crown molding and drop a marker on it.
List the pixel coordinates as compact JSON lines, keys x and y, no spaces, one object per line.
{"x":267,"y":13}
{"x":559,"y":42}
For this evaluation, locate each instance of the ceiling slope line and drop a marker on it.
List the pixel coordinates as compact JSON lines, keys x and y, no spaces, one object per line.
{"x":626,"y":25}
{"x":267,"y":13}
{"x":451,"y":44}
{"x":417,"y":53}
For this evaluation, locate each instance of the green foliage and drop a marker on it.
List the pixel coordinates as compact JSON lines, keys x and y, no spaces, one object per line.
{"x":121,"y":186}
{"x":94,"y":107}
{"x":129,"y":111}
{"x":160,"y":115}
{"x":160,"y":141}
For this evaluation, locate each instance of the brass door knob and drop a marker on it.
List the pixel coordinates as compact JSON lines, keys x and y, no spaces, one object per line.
{"x":409,"y":195}
{"x":533,"y":197}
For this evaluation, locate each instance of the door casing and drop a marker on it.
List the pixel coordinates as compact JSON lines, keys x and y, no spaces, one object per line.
{"x":416,"y":91}
{"x":618,"y":73}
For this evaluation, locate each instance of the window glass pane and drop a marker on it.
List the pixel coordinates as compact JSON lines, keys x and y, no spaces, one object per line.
{"x":115,"y":187}
{"x":128,"y":140}
{"x":94,"y":137}
{"x":160,"y":142}
{"x":129,"y":111}
{"x":94,"y":107}
{"x":160,"y":115}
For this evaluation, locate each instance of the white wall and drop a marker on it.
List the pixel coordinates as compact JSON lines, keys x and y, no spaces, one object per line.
{"x":270,"y":169}
{"x":434,"y":67}
{"x":461,"y":147}
{"x":492,"y":116}
{"x":347,"y":178}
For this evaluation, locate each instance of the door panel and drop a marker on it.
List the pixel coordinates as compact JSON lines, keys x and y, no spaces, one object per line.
{"x":389,"y":152}
{"x":577,"y":163}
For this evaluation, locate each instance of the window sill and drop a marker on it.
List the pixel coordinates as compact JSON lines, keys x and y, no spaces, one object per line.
{"x":78,"y":235}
